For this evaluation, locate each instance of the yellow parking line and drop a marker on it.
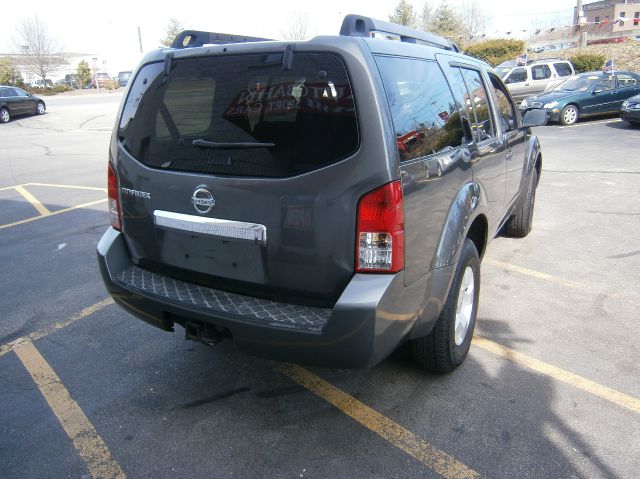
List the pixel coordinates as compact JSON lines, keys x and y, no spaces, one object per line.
{"x":8,"y":347}
{"x":37,"y":204}
{"x":441,"y":462}
{"x":65,"y":210}
{"x":9,"y":187}
{"x":559,"y":374}
{"x":532,"y":272}
{"x":51,"y":185}
{"x":90,"y":446}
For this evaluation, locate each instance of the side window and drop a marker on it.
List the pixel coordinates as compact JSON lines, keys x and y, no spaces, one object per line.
{"x":563,"y":69}
{"x":518,"y":75}
{"x":3,"y":92}
{"x":20,"y":92}
{"x":506,"y":108}
{"x":11,"y":92}
{"x":423,"y":109}
{"x":475,"y":98}
{"x":625,"y":80}
{"x":607,"y":83}
{"x":540,"y":72}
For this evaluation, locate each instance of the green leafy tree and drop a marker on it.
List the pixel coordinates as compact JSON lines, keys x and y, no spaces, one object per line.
{"x":9,"y":74}
{"x":173,"y":29}
{"x":84,"y":73}
{"x":404,"y":15}
{"x":446,"y":22}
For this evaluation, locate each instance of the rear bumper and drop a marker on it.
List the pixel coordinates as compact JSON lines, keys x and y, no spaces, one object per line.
{"x":374,"y":314}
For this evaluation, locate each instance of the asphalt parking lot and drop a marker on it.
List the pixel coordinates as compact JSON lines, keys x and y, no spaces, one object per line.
{"x":551,"y":388}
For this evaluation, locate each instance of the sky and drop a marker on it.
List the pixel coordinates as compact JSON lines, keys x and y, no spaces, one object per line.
{"x":110,"y":30}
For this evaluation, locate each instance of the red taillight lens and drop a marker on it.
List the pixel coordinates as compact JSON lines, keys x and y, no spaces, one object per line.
{"x":380,"y":231}
{"x":114,"y":204}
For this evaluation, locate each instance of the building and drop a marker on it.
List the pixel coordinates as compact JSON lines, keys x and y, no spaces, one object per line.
{"x":606,"y":17}
{"x":70,"y":65}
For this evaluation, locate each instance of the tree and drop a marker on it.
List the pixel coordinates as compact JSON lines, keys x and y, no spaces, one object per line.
{"x":9,"y":74}
{"x":84,"y":73}
{"x":41,"y":53}
{"x":173,"y":29}
{"x":425,"y":17}
{"x":473,"y":18}
{"x":404,"y":15}
{"x":446,"y":22}
{"x":297,"y":27}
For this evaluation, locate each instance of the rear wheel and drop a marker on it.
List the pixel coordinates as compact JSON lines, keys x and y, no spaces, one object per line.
{"x":5,"y":116}
{"x":569,"y":115}
{"x":40,"y":108}
{"x":447,"y":346}
{"x":519,"y":225}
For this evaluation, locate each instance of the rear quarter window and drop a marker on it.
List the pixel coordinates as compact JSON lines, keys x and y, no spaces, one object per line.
{"x":563,"y":69}
{"x":293,"y":121}
{"x":423,"y":109}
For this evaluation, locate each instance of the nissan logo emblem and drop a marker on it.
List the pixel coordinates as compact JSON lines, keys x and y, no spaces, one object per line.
{"x":202,"y":200}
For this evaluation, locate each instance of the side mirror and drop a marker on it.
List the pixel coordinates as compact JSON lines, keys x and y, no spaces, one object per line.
{"x":535,"y":117}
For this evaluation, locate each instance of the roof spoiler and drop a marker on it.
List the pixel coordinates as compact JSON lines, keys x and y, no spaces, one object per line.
{"x":360,"y":26}
{"x":195,"y":38}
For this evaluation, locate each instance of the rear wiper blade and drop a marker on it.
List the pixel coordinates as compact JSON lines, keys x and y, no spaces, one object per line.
{"x":232,"y":145}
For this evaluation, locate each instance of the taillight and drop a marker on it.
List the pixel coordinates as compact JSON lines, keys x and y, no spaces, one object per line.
{"x":114,"y":204}
{"x":380,"y":231}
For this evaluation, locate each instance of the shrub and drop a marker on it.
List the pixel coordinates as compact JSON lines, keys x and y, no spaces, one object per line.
{"x":586,"y":62}
{"x":496,"y":51}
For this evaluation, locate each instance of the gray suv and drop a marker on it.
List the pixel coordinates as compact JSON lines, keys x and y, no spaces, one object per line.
{"x":321,"y":201}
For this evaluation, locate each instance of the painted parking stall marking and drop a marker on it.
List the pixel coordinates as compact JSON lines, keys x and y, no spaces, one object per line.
{"x":43,"y":211}
{"x":441,"y":462}
{"x":611,"y":395}
{"x":90,"y":446}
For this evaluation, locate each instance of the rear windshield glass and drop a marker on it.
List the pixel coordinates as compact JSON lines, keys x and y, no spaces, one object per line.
{"x":241,"y":115}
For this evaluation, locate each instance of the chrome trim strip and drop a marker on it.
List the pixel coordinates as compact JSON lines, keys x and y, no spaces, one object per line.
{"x":211,"y":226}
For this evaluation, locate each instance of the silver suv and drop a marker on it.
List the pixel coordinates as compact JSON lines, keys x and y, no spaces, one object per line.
{"x":535,"y":77}
{"x":321,"y":201}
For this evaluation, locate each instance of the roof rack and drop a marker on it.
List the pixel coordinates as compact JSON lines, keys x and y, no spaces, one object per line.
{"x":195,"y":38}
{"x":359,"y":26}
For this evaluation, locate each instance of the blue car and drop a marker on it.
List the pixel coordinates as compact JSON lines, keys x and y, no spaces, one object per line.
{"x":585,"y":95}
{"x":630,"y":110}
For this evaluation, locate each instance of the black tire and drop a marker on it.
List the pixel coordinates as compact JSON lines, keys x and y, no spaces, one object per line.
{"x":438,"y":352}
{"x":39,"y":110}
{"x":520,"y":224}
{"x":5,"y":116}
{"x":566,"y":118}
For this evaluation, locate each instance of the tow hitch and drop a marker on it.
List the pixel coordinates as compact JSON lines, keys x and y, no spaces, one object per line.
{"x":205,"y":333}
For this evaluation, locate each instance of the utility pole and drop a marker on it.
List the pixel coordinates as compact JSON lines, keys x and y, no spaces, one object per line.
{"x":140,"y":39}
{"x":582,"y":35}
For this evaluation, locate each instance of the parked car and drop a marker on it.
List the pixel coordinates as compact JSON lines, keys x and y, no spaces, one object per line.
{"x":101,"y":80}
{"x":585,"y":95}
{"x":42,"y":84}
{"x":535,"y":77}
{"x":124,"y":77}
{"x":320,"y":201}
{"x":71,"y":80}
{"x":15,"y":101}
{"x":630,"y":110}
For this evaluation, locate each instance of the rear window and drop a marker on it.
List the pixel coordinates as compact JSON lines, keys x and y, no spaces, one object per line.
{"x":241,"y":115}
{"x":423,"y":109}
{"x":563,"y":69}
